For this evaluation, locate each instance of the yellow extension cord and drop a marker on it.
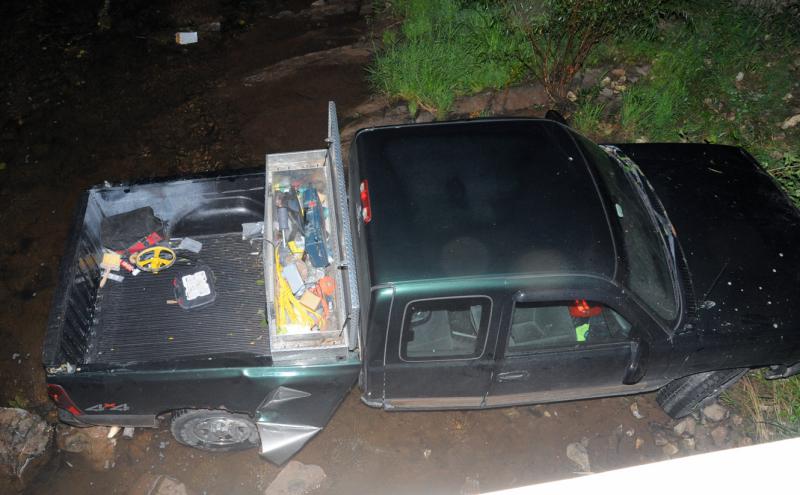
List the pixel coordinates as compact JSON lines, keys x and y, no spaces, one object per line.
{"x":289,"y":310}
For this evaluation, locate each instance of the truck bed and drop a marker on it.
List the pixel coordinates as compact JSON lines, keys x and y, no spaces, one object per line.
{"x":134,"y":323}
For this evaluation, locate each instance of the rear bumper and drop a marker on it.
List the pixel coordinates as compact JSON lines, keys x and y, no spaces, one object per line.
{"x":84,"y":420}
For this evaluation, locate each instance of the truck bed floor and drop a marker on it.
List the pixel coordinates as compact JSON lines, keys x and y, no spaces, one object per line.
{"x":134,"y":323}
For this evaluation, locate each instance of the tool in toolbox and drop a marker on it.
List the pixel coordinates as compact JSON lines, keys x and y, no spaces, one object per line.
{"x":314,"y":230}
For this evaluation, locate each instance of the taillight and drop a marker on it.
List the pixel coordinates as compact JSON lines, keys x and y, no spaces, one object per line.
{"x":366,"y":209}
{"x":59,"y":396}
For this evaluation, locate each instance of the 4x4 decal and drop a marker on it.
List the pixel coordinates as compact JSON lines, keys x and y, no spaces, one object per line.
{"x":108,"y":406}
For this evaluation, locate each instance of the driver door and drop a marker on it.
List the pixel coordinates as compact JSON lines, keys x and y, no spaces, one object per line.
{"x":564,"y":350}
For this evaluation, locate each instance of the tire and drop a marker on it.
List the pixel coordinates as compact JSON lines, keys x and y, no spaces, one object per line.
{"x":214,"y":430}
{"x":684,"y":395}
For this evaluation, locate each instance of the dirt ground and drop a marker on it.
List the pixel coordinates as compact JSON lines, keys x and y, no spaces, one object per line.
{"x":81,"y":105}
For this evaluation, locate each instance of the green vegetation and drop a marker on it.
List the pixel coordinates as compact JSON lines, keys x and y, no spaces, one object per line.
{"x":443,"y":49}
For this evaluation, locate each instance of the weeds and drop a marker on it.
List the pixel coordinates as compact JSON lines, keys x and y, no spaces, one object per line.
{"x":773,"y":406}
{"x":443,"y":49}
{"x":588,"y":117}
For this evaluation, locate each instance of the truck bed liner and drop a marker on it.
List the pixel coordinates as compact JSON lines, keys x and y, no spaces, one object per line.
{"x":134,"y":323}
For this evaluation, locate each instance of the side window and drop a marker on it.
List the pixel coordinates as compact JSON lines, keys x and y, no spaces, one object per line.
{"x":537,"y":326}
{"x":445,"y":328}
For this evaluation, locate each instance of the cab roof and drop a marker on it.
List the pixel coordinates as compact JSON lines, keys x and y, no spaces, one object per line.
{"x":481,"y":197}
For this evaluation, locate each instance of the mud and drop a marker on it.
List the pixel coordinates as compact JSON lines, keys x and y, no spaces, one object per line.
{"x":81,"y":105}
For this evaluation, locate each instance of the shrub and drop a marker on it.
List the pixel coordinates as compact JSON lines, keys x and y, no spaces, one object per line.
{"x":560,"y":34}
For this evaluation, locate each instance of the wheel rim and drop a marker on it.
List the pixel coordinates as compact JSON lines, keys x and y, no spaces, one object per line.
{"x":222,"y":430}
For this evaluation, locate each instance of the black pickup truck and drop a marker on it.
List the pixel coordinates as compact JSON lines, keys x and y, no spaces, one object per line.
{"x":469,"y":264}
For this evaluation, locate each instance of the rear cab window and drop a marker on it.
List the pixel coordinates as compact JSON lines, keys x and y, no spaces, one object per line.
{"x":541,"y":326}
{"x":445,"y":329}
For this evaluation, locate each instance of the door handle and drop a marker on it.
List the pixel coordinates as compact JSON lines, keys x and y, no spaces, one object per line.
{"x":511,"y":376}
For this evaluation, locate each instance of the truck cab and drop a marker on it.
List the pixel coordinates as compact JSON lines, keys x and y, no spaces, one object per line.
{"x":497,"y":269}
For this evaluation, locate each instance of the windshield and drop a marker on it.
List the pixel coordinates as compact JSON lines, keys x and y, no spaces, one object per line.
{"x":646,"y":233}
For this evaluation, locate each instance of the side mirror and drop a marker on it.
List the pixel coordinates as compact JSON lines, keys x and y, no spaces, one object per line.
{"x":640,"y":353}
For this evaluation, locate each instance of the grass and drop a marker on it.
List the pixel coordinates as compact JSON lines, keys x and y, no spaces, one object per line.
{"x":772,"y":406}
{"x":444,"y":49}
{"x":725,"y":77}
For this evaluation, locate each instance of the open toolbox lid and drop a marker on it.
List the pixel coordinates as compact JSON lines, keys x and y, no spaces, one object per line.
{"x":350,"y":287}
{"x":306,"y":182}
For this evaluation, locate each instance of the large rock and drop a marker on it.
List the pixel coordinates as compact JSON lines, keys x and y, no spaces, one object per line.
{"x":715,"y":412}
{"x":92,"y":445}
{"x":158,"y":484}
{"x":296,"y":479}
{"x":686,"y":427}
{"x":23,"y":438}
{"x":576,"y":452}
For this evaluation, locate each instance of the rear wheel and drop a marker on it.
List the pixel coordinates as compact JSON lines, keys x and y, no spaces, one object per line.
{"x":214,"y":430}
{"x":682,"y":396}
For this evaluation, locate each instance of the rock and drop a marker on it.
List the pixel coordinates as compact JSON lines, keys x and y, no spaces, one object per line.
{"x":715,"y":412}
{"x":719,"y":435}
{"x":688,"y":443}
{"x":519,"y":98}
{"x":670,"y":449}
{"x":635,"y":411}
{"x":605,"y":81}
{"x":92,"y":444}
{"x":23,"y":437}
{"x":643,"y":70}
{"x":572,"y":96}
{"x":791,"y":122}
{"x":427,"y":453}
{"x":660,"y":439}
{"x":744,"y":442}
{"x":158,"y":484}
{"x":424,"y":117}
{"x":739,"y":77}
{"x":618,"y":72}
{"x":591,"y":78}
{"x":607,"y":93}
{"x":318,"y":3}
{"x":639,"y":443}
{"x":296,"y":479}
{"x":576,"y":452}
{"x":737,"y":420}
{"x":685,"y":426}
{"x":472,"y":105}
